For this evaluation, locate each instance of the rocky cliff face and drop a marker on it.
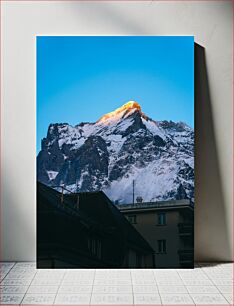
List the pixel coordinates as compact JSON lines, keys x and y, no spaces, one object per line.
{"x":122,"y":146}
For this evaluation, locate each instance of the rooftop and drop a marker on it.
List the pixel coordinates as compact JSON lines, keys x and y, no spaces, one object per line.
{"x":159,"y":204}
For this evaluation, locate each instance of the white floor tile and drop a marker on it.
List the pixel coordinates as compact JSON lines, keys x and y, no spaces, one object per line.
{"x":202,"y":289}
{"x":195,"y":277}
{"x":20,"y":276}
{"x":46,"y":282}
{"x":72,"y":277}
{"x":169,"y":282}
{"x":72,"y":299}
{"x":197,"y":282}
{"x":145,"y":289}
{"x":112,"y":289}
{"x":166,"y":275}
{"x":149,"y":275}
{"x":45,"y":272}
{"x":3,"y":275}
{"x":112,"y":282}
{"x":225,"y":289}
{"x":79,"y":271}
{"x":4,"y":269}
{"x":64,"y":289}
{"x":23,"y":270}
{"x":223,"y":282}
{"x":147,"y":299}
{"x":110,"y":276}
{"x":13,"y":289}
{"x":111,"y":299}
{"x":209,"y":299}
{"x":229,"y":298}
{"x":16,"y":282}
{"x":11,"y":299}
{"x":176,"y":299}
{"x":43,"y":289}
{"x":143,"y":275}
{"x":26,"y":264}
{"x":50,"y":277}
{"x":143,"y":282}
{"x":77,"y":282}
{"x":114,"y":271}
{"x":39,"y":299}
{"x":6,"y":264}
{"x":164,"y":289}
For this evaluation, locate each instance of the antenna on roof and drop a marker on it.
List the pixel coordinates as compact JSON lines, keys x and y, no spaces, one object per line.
{"x":133,"y":195}
{"x":62,"y":185}
{"x":78,"y":202}
{"x":78,"y":196}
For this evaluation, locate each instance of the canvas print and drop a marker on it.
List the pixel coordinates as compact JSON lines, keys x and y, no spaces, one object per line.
{"x":115,"y":152}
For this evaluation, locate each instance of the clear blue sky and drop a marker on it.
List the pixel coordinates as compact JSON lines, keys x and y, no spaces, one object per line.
{"x":82,"y":78}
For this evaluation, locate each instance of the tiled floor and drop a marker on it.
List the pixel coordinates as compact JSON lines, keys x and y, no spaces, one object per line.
{"x":207,"y":284}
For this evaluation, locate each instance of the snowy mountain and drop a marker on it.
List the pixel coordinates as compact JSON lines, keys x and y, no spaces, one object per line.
{"x":122,"y":146}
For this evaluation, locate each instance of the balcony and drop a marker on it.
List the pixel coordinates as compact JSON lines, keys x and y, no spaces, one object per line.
{"x":186,"y":229}
{"x":186,"y":257}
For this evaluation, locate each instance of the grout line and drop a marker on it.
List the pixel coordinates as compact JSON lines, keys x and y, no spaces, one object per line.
{"x":91,"y":294}
{"x":185,"y":285}
{"x":157,"y":288}
{"x":216,"y":286}
{"x":14,"y":263}
{"x":28,"y":288}
{"x":8,"y":272}
{"x":133,"y":301}
{"x":59,"y":287}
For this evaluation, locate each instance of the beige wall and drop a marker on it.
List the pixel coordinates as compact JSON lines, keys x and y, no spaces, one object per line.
{"x":146,"y":224}
{"x":209,"y":21}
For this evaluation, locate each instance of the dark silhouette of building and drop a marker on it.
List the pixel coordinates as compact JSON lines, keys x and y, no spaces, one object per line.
{"x":85,"y":230}
{"x":168,"y":226}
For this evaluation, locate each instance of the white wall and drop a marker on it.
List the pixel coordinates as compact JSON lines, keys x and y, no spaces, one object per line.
{"x":211,"y":24}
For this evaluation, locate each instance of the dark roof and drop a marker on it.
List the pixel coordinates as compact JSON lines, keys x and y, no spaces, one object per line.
{"x":96,"y":209}
{"x":97,"y":205}
{"x":50,"y":201}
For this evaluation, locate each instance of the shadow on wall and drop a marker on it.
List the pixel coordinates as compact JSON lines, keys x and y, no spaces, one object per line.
{"x":18,"y":236}
{"x":211,"y":232}
{"x":111,"y":16}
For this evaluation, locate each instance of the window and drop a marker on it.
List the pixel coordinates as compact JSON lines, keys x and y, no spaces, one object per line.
{"x":95,"y":247}
{"x":132,"y":219}
{"x":161,"y":218}
{"x":162,"y":246}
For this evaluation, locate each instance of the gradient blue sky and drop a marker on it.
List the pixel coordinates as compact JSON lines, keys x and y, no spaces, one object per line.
{"x":82,"y":78}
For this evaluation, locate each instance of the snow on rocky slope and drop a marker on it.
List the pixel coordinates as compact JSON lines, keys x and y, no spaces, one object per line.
{"x":122,"y":146}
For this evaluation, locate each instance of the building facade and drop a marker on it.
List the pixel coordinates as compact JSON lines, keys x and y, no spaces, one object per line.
{"x":85,"y":230}
{"x":168,"y":226}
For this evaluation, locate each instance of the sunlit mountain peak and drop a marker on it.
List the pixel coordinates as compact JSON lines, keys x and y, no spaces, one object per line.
{"x":130,"y":106}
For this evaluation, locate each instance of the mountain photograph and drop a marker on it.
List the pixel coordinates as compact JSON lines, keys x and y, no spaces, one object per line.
{"x":115,"y":152}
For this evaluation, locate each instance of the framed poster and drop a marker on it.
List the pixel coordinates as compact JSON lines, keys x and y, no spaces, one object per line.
{"x":115,"y":151}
